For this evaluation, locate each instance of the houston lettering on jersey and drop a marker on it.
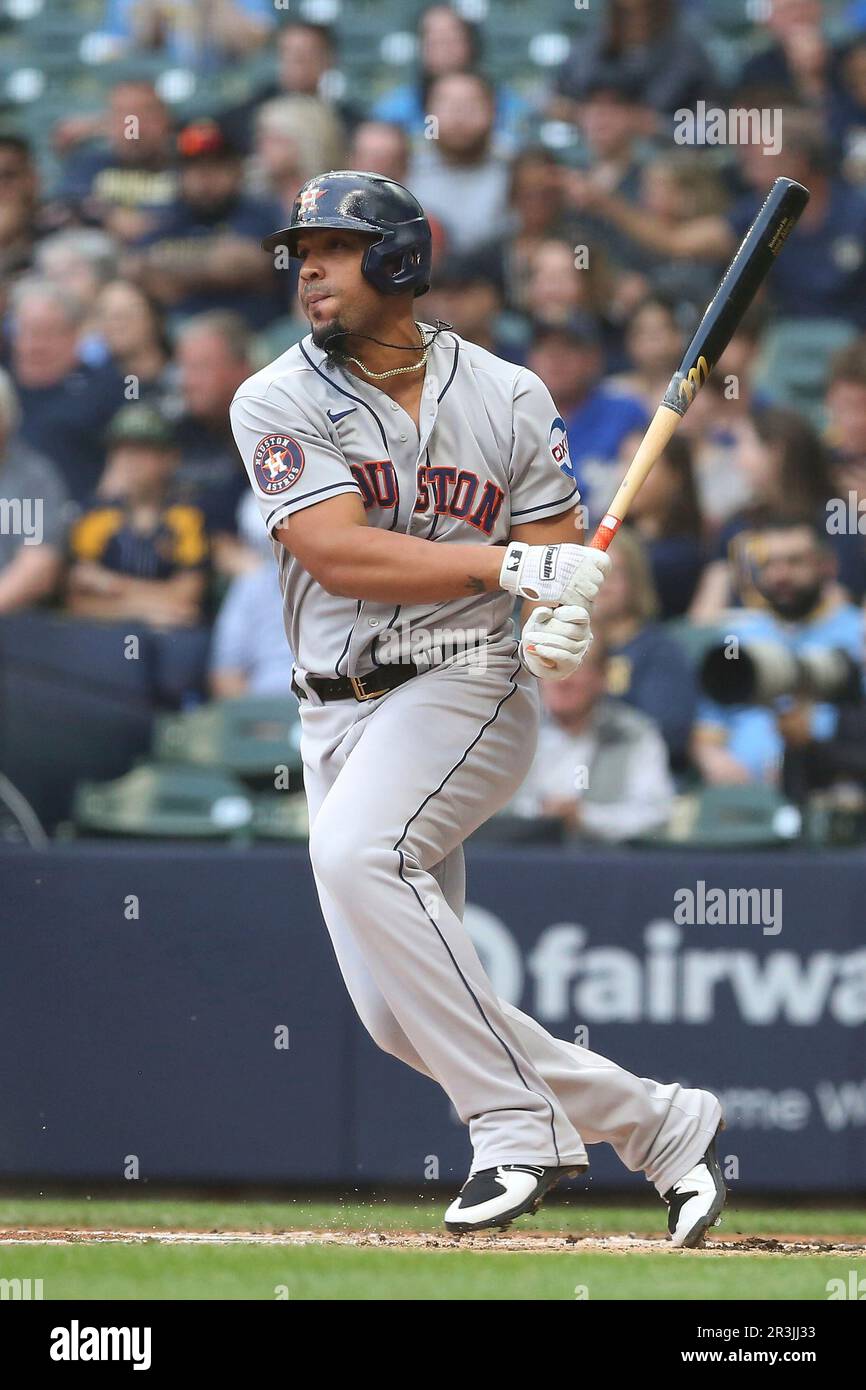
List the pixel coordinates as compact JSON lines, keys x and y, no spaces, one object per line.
{"x":377,"y":481}
{"x":458,"y":493}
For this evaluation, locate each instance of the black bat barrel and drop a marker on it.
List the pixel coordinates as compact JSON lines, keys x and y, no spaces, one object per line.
{"x":747,"y":271}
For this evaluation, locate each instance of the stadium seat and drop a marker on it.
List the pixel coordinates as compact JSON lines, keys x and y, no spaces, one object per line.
{"x":162,"y":802}
{"x":736,"y":818}
{"x":281,"y":816}
{"x":794,"y":361}
{"x":250,"y":737}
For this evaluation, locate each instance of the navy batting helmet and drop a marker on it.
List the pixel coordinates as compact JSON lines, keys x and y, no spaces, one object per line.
{"x":399,"y":256}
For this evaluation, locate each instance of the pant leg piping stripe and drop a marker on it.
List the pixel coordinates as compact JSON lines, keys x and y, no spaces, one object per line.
{"x":411,"y":886}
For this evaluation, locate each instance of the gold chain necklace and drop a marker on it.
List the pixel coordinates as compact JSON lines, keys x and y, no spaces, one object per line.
{"x":398,"y":371}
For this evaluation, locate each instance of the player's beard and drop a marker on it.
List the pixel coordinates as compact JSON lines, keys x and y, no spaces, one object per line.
{"x":331,"y":338}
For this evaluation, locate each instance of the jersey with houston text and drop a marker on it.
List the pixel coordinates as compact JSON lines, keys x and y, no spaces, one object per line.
{"x":489,"y":455}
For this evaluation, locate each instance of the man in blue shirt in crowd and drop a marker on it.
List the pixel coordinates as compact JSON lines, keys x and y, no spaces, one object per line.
{"x":804,"y":610}
{"x":66,"y":404}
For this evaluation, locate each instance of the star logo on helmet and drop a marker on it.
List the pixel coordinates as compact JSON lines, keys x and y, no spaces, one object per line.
{"x":309,"y":199}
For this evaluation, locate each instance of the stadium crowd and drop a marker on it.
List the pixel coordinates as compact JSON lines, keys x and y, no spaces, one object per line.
{"x":573,"y":233}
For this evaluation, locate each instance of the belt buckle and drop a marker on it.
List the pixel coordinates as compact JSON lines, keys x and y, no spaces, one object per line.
{"x":357,"y":683}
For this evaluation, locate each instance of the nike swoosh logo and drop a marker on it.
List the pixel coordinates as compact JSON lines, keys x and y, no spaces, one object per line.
{"x":334,"y":416}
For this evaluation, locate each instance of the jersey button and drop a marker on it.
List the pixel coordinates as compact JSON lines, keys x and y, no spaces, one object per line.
{"x":373,"y":622}
{"x":403,"y":438}
{"x":395,"y":405}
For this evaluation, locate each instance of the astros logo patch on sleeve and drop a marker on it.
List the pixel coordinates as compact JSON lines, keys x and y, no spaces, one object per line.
{"x":278,"y":463}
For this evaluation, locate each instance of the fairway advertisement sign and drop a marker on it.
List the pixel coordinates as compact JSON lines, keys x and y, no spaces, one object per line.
{"x":218,"y":1023}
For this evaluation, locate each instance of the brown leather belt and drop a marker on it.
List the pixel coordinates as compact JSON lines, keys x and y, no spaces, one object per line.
{"x":367,"y":687}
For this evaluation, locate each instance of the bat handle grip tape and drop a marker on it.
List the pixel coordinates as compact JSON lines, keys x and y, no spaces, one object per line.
{"x":605,"y":532}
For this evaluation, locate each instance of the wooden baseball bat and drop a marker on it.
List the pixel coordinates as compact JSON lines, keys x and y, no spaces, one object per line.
{"x":743,"y":278}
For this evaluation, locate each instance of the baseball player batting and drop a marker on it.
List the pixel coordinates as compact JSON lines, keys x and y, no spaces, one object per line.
{"x":411,"y":484}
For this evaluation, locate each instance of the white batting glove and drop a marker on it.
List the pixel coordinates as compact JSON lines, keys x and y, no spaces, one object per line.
{"x":554,"y":642}
{"x":565,"y":573}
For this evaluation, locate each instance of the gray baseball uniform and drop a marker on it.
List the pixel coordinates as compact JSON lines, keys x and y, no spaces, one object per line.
{"x":395,"y":784}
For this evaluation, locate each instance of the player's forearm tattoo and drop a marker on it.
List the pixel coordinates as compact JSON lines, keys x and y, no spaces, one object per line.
{"x":474,"y":585}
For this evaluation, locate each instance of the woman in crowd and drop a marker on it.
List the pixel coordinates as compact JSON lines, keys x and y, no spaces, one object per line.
{"x":131,"y":325}
{"x":666,"y":516}
{"x":654,"y":346}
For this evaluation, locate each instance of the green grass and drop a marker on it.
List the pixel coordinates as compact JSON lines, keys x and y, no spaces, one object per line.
{"x":155,"y":1271}
{"x":160,"y":1272}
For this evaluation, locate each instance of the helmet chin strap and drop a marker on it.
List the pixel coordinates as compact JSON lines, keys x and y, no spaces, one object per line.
{"x":424,"y":349}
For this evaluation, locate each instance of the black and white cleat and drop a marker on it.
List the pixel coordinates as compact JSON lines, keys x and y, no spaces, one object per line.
{"x":696,"y":1200}
{"x":494,"y":1197}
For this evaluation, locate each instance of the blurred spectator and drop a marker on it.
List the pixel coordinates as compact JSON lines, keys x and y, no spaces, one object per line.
{"x":33,"y":504}
{"x":134,"y":552}
{"x":600,"y":766}
{"x":296,"y":137}
{"x":448,"y":43}
{"x":654,"y":347}
{"x":131,"y":325}
{"x":846,"y":438}
{"x":65,"y":404}
{"x":19,"y":205}
{"x":201,"y":34}
{"x":556,"y":288}
{"x":82,"y":259}
{"x":823,"y":271}
{"x":666,"y":515}
{"x":569,"y":359}
{"x":205,"y":252}
{"x":846,"y":419}
{"x":847,"y":108}
{"x":679,"y":188}
{"x":306,"y":53}
{"x":646,"y":667}
{"x":249,"y":652}
{"x":456,"y":175}
{"x":465,"y":294}
{"x":788,"y":471}
{"x":645,"y":42}
{"x":129,"y":176}
{"x":672,"y":190}
{"x":213,"y":354}
{"x":380,"y":147}
{"x":610,"y":121}
{"x":535,"y":202}
{"x":718,"y":424}
{"x":796,"y":59}
{"x":803,"y":610}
